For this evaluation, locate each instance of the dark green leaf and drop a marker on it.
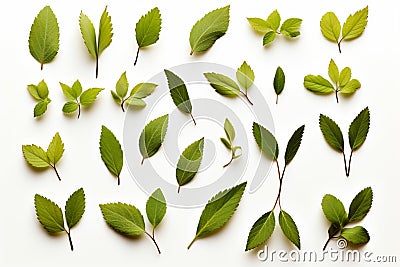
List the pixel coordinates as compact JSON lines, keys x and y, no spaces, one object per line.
{"x":261,"y":230}
{"x":359,"y":128}
{"x":266,"y":141}
{"x":361,"y":205}
{"x":152,"y":136}
{"x":178,"y":91}
{"x":156,"y":207}
{"x":332,"y":133}
{"x":49,"y":214}
{"x":75,"y":207}
{"x":289,"y":228}
{"x":111,"y":152}
{"x":293,"y":144}
{"x":40,"y":108}
{"x":279,"y":81}
{"x":334,"y":210}
{"x":357,"y":235}
{"x":226,"y":143}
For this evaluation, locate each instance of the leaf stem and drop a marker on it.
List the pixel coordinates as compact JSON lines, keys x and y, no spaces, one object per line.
{"x":278,"y":198}
{"x":191,"y":115}
{"x":122,"y":105}
{"x":345,"y":163}
{"x":348,"y":168}
{"x":327,"y":242}
{"x":79,"y":110}
{"x":97,"y":66}
{"x":142,"y":161}
{"x":191,"y":243}
{"x":230,"y":161}
{"x":276,"y":102}
{"x":340,"y":50}
{"x":70,"y":240}
{"x":179,"y":189}
{"x":119,"y":180}
{"x":154,"y":241}
{"x":137,"y":55}
{"x":246,"y":97}
{"x":41,"y":65}
{"x":337,"y":97}
{"x":55,"y":169}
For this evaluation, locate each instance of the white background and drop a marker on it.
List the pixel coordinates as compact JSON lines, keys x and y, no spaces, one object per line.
{"x":316,"y":170}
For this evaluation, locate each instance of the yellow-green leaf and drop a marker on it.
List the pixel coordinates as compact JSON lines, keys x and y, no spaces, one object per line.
{"x":355,"y":24}
{"x":330,"y":27}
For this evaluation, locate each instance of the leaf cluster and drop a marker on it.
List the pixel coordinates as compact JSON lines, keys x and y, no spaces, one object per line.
{"x":40,"y":93}
{"x":228,"y":141}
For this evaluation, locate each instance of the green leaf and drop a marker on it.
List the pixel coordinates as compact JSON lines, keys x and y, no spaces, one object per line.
{"x":293,"y":144}
{"x":42,"y":91}
{"x":77,"y":88}
{"x":111,"y":152}
{"x":229,"y":130}
{"x":334,"y":210}
{"x":142,"y":90}
{"x":44,"y":37}
{"x":152,"y":136}
{"x":135,"y":102}
{"x":218,"y":211}
{"x":289,"y":228}
{"x":261,"y":230}
{"x":274,"y":20}
{"x":266,"y":141}
{"x":116,"y":97}
{"x":33,"y":91}
{"x":178,"y":91}
{"x":334,"y":229}
{"x":279,"y":81}
{"x":361,"y":205}
{"x":222,"y":84}
{"x":105,"y":32}
{"x":75,"y":207}
{"x":269,"y":37}
{"x":318,"y":84}
{"x":355,"y":24}
{"x":89,"y":96}
{"x":206,"y":31}
{"x":148,"y":28}
{"x":123,"y":218}
{"x":330,"y":26}
{"x":331,"y":132}
{"x":359,"y":128}
{"x":49,"y":214}
{"x":55,"y":149}
{"x":290,"y":27}
{"x":35,"y":156}
{"x":189,"y":162}
{"x":156,"y":207}
{"x":259,"y":25}
{"x":70,"y":107}
{"x":333,"y":72}
{"x":122,"y":85}
{"x":357,"y":235}
{"x":40,"y":108}
{"x":68,"y":92}
{"x":245,"y":75}
{"x":226,"y":143}
{"x":351,"y":87}
{"x":88,"y":34}
{"x":345,"y":76}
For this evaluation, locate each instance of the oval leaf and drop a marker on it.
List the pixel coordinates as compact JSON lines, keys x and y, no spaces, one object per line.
{"x":359,"y":128}
{"x":259,"y":25}
{"x":274,"y":20}
{"x":361,"y":205}
{"x":89,"y":96}
{"x":269,"y":37}
{"x":122,"y":85}
{"x":265,"y":141}
{"x":355,"y":24}
{"x":318,"y":84}
{"x":334,"y":210}
{"x":245,"y":75}
{"x":156,"y":207}
{"x":330,"y":26}
{"x":333,"y":72}
{"x":40,"y":108}
{"x":261,"y":230}
{"x":178,"y":91}
{"x":111,"y":152}
{"x":209,"y":29}
{"x":293,"y":145}
{"x":229,"y":130}
{"x":331,"y":132}
{"x":152,"y":136}
{"x":35,"y":156}
{"x":222,"y":84}
{"x":49,"y":214}
{"x":279,"y":81}
{"x":75,"y":207}
{"x":143,"y":90}
{"x":289,"y":228}
{"x":290,"y":27}
{"x":357,"y":235}
{"x":55,"y":149}
{"x":148,"y":28}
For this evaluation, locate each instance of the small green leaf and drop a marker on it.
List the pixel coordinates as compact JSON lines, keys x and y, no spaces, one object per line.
{"x":77,"y":88}
{"x":123,"y":218}
{"x":357,"y":235}
{"x":111,"y":152}
{"x":152,"y":136}
{"x":49,"y":214}
{"x":156,"y":207}
{"x":352,"y":86}
{"x":266,"y":141}
{"x":361,"y":205}
{"x":68,"y":92}
{"x":259,"y":25}
{"x":116,"y":98}
{"x":318,"y":84}
{"x":355,"y":24}
{"x":289,"y":228}
{"x":279,"y":82}
{"x":269,"y":37}
{"x":334,"y":210}
{"x":89,"y":96}
{"x":189,"y":162}
{"x":222,"y":84}
{"x":70,"y":107}
{"x":218,"y":211}
{"x":75,"y":207}
{"x":44,"y":37}
{"x":178,"y":91}
{"x":143,"y":90}
{"x":261,"y":230}
{"x":105,"y":32}
{"x":290,"y":27}
{"x":274,"y":20}
{"x":55,"y":149}
{"x":88,"y":34}
{"x":359,"y":128}
{"x":226,"y":143}
{"x":330,"y":26}
{"x":35,"y":156}
{"x":40,"y":108}
{"x":33,"y":91}
{"x":42,"y":90}
{"x":334,"y":229}
{"x":293,"y":144}
{"x":245,"y":75}
{"x":333,"y":72}
{"x":229,"y":130}
{"x":122,"y":85}
{"x":345,"y":76}
{"x":135,"y":102}
{"x":331,"y":132}
{"x":209,"y":29}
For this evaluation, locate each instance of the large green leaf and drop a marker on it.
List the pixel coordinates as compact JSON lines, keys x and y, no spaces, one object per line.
{"x":222,"y":84}
{"x":359,"y":128}
{"x":331,"y":132}
{"x":209,"y":29}
{"x":361,"y":205}
{"x":318,"y":84}
{"x":289,"y":228}
{"x":55,"y":149}
{"x":218,"y":211}
{"x":111,"y":152}
{"x":49,"y":214}
{"x":355,"y":24}
{"x":152,"y":136}
{"x":334,"y":210}
{"x":357,"y":235}
{"x":266,"y":141}
{"x":293,"y":144}
{"x":35,"y":156}
{"x":261,"y":230}
{"x":44,"y":37}
{"x":156,"y":207}
{"x":75,"y":207}
{"x":330,"y":27}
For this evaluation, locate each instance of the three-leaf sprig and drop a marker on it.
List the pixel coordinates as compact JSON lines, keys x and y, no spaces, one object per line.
{"x":40,"y":93}
{"x":336,"y":214}
{"x":228,"y":141}
{"x":358,"y":132}
{"x":263,"y":228}
{"x":50,"y":215}
{"x":128,"y":220}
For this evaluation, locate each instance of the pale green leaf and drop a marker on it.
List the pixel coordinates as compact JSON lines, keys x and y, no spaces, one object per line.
{"x":289,"y":228}
{"x":55,"y":149}
{"x":148,"y":28}
{"x":105,"y":32}
{"x":330,"y":26}
{"x":178,"y":91}
{"x":266,"y":141}
{"x":88,"y":34}
{"x":135,"y":102}
{"x":111,"y":152}
{"x":222,"y":84}
{"x":357,"y":235}
{"x":355,"y":24}
{"x":206,"y":31}
{"x":33,"y":91}
{"x":279,"y":81}
{"x":361,"y":205}
{"x":143,"y":90}
{"x":189,"y":162}
{"x":89,"y":96}
{"x":259,"y":25}
{"x":44,"y":37}
{"x":352,"y":86}
{"x":218,"y":211}
{"x":245,"y":75}
{"x":40,"y":108}
{"x":318,"y":84}
{"x":261,"y":230}
{"x":68,"y":92}
{"x":274,"y":20}
{"x":116,"y":97}
{"x":229,"y":130}
{"x":49,"y":214}
{"x":269,"y":37}
{"x":35,"y":156}
{"x":293,"y":144}
{"x":226,"y":143}
{"x":331,"y":132}
{"x":122,"y":85}
{"x":334,"y":210}
{"x":333,"y":72}
{"x":152,"y":136}
{"x":156,"y":207}
{"x":70,"y":107}
{"x":77,"y":88}
{"x":290,"y":27}
{"x":123,"y":218}
{"x":75,"y":207}
{"x":359,"y":128}
{"x":344,"y":77}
